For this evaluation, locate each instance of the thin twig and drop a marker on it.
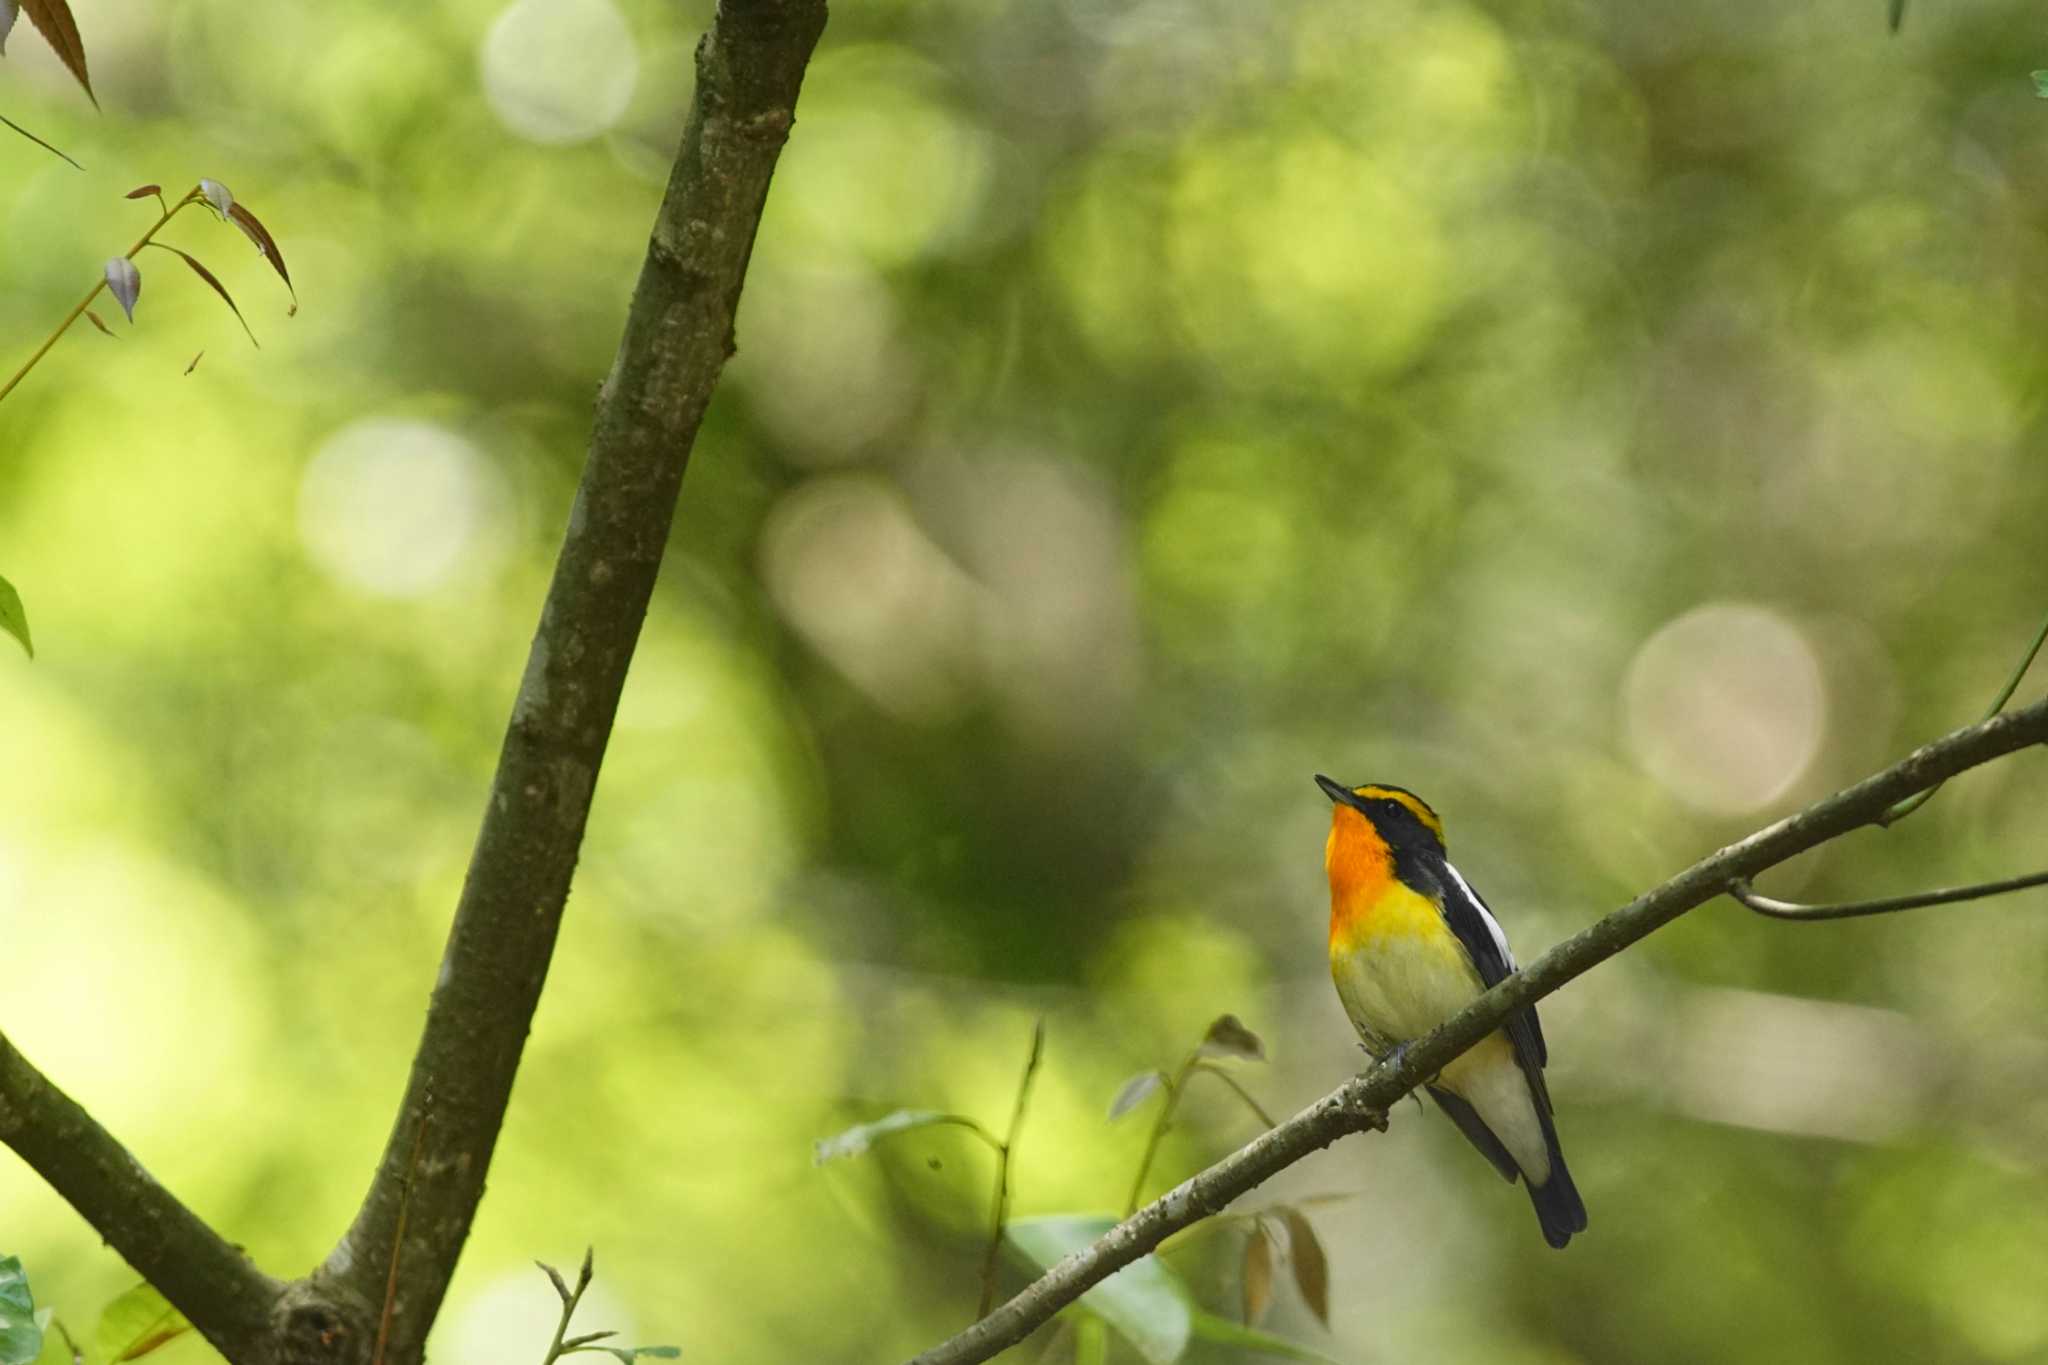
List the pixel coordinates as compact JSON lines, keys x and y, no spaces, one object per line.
{"x":1363,"y":1101}
{"x":54,"y":150}
{"x":2012,"y":685}
{"x":75,"y":314}
{"x":1004,"y":1151}
{"x":1222,"y":1074}
{"x":398,"y":1240}
{"x":1160,"y":1123}
{"x":995,"y":1144}
{"x":1742,"y":891}
{"x":77,"y":1351}
{"x":1174,"y":1085}
{"x":570,"y":1298}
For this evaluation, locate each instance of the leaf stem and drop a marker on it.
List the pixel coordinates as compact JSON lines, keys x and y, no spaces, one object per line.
{"x":995,"y":1144}
{"x":75,"y":314}
{"x":2012,"y":684}
{"x":558,"y":1347}
{"x":1174,"y":1084}
{"x":1224,"y":1076}
{"x":1001,"y":1215}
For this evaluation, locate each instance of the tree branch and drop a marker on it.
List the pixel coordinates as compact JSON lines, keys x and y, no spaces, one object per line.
{"x":1362,"y":1102}
{"x":2012,"y":685}
{"x":678,"y":335}
{"x":1742,"y":892}
{"x":226,"y":1296}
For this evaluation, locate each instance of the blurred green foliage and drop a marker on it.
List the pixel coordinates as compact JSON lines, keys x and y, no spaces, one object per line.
{"x":1141,"y":405}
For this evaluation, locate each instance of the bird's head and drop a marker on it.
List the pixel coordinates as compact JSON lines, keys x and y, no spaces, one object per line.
{"x":1379,"y":815}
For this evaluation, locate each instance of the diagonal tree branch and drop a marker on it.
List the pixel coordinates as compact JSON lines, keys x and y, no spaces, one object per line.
{"x":1363,"y":1101}
{"x":216,"y":1286}
{"x":678,"y":336}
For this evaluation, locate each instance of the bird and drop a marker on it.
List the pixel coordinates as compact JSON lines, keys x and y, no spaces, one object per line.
{"x":1411,"y":943}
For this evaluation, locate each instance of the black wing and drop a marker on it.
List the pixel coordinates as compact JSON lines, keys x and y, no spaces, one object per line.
{"x":1487,"y":946}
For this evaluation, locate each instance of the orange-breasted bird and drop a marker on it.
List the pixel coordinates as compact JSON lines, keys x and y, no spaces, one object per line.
{"x":1411,"y":944}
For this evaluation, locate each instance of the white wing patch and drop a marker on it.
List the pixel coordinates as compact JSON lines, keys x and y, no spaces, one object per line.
{"x":1500,"y":940}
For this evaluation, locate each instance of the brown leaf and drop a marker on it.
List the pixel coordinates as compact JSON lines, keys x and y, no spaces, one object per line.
{"x":203,"y":273}
{"x":1311,"y":1266}
{"x":265,"y":243}
{"x":94,"y":319}
{"x":143,"y":191}
{"x":1228,"y":1037}
{"x":53,"y":20}
{"x":1258,"y":1275}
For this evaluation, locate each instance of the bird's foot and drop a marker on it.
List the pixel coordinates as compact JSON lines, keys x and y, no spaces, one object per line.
{"x":1392,"y":1059}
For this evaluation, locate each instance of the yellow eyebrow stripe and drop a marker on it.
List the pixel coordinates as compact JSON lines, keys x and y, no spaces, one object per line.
{"x":1415,"y":804}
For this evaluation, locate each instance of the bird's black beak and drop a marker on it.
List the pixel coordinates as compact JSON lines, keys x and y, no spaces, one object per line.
{"x":1336,"y":791}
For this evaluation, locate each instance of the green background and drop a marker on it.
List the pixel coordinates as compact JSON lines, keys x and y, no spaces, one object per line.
{"x":1619,"y":422}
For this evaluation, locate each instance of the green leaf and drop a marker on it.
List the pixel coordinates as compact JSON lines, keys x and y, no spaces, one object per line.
{"x":628,"y":1354}
{"x":1134,"y":1092}
{"x":21,"y":1334}
{"x":13,"y":619}
{"x":2041,"y":85}
{"x":1145,"y":1302}
{"x":862,"y":1136}
{"x":1210,"y":1327}
{"x":135,"y":1324}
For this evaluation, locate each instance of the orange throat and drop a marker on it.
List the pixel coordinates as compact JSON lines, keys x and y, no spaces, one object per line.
{"x":1361,"y":866}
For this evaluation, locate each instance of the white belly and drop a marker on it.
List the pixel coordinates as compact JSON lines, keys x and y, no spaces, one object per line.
{"x":1397,"y":987}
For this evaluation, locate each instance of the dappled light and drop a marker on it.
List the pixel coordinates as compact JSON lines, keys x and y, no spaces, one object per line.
{"x":1618,"y":422}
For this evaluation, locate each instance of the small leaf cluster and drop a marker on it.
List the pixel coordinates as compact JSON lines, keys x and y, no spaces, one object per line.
{"x":1148,"y":1304}
{"x":123,"y":277}
{"x":589,"y":1342}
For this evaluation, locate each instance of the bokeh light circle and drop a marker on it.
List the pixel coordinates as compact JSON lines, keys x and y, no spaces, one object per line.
{"x":559,"y":71}
{"x":396,"y":507}
{"x":1725,"y":707}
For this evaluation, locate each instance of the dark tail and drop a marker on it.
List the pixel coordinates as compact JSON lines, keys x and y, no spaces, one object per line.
{"x":1558,"y":1206}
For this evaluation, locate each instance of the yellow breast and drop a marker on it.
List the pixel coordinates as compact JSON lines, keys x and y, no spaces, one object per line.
{"x":1398,"y":968}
